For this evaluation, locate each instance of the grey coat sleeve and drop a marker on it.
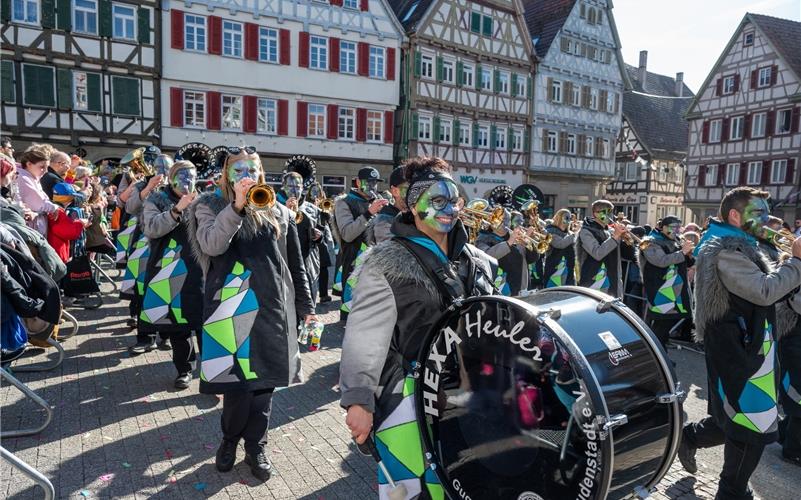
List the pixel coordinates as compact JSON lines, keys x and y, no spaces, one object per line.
{"x":596,"y":250}
{"x":156,"y":223}
{"x":795,"y":303}
{"x":215,"y":232}
{"x":561,"y":242}
{"x":657,"y":257}
{"x":497,"y":251}
{"x":368,"y":334}
{"x":382,"y":229}
{"x":745,"y":279}
{"x":134,"y":204}
{"x":349,"y":228}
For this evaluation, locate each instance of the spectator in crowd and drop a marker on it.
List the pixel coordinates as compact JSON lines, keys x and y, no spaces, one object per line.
{"x":97,"y":235}
{"x":59,"y":165}
{"x":6,"y":148}
{"x":62,"y":229}
{"x":797,"y":229}
{"x":34,"y":165}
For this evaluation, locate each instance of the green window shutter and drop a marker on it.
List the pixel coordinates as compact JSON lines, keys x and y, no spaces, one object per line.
{"x":143,"y":18}
{"x":487,"y":26}
{"x":496,"y":81}
{"x":415,"y":127}
{"x":475,"y":22}
{"x":64,"y":78}
{"x":435,"y":131}
{"x":513,"y":89}
{"x":7,"y":81}
{"x":64,"y":15}
{"x":527,"y":140}
{"x":439,"y":69}
{"x":477,"y":76}
{"x":475,"y":134}
{"x":529,"y":87}
{"x":459,"y":73}
{"x":418,"y":63}
{"x":456,"y":132}
{"x":38,"y":85}
{"x":5,"y":12}
{"x":493,"y":130}
{"x":510,"y":135}
{"x":104,"y":19}
{"x":94,"y":92}
{"x":125,"y":95}
{"x":48,"y":13}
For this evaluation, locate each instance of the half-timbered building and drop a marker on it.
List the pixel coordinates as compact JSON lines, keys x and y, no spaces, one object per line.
{"x":287,"y":77}
{"x":652,"y":147}
{"x":466,"y":89}
{"x":578,"y":88}
{"x":744,"y":122}
{"x":80,"y":74}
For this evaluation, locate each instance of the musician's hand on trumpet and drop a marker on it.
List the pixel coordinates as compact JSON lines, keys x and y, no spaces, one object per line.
{"x":241,"y":189}
{"x":518,"y":236}
{"x":618,"y":230}
{"x":687,"y":247}
{"x":292,"y":204}
{"x":377,"y":205}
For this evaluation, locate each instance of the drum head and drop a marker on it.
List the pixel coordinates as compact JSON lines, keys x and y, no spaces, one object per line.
{"x":507,"y":407}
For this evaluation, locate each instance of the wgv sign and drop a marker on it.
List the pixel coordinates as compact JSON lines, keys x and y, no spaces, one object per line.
{"x":472,"y":179}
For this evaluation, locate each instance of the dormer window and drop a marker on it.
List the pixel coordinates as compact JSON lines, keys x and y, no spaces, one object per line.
{"x":748,"y":39}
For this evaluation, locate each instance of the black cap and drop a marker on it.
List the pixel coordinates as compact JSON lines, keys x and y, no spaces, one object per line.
{"x":398,"y":176}
{"x":670,"y":219}
{"x":369,"y":174}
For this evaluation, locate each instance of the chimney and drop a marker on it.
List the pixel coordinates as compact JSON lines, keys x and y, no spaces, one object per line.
{"x":643,"y":66}
{"x":680,"y":84}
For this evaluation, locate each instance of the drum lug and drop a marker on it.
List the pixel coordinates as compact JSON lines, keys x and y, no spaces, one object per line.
{"x":552,"y":313}
{"x":678,"y":395}
{"x":605,"y":425}
{"x":606,"y":305}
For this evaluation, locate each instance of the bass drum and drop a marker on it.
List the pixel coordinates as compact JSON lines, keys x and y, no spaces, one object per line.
{"x":560,"y":394}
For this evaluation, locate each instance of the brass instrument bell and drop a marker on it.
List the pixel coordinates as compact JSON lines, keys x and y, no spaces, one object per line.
{"x":136,"y":162}
{"x":260,"y":197}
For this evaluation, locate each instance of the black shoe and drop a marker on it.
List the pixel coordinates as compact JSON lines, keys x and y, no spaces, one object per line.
{"x":142,"y":347}
{"x":131,"y":323}
{"x":164,"y":345}
{"x":795,"y":460}
{"x":182,"y":380}
{"x":325,"y":299}
{"x":687,"y":456}
{"x":260,"y":465}
{"x":226,"y":456}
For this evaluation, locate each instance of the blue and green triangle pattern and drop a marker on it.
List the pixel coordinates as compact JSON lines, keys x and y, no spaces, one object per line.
{"x":163,"y":293}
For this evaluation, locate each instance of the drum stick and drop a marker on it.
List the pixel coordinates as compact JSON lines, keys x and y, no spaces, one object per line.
{"x":397,"y":491}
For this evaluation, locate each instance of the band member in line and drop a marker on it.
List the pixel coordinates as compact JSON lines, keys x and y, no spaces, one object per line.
{"x":401,"y":288}
{"x":506,"y":245}
{"x":766,"y":245}
{"x":560,"y":260}
{"x":325,"y":245}
{"x":597,"y":250}
{"x":790,"y":384}
{"x":255,"y":287}
{"x":381,"y":228}
{"x":664,"y":264}
{"x":352,"y":214}
{"x":736,"y":292}
{"x":173,"y":300}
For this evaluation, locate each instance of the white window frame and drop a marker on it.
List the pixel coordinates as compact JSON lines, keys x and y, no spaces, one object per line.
{"x":128,"y":21}
{"x":445,"y":131}
{"x":504,"y":80}
{"x":760,"y":119}
{"x":776,"y":129}
{"x":765,"y":77}
{"x":198,"y":31}
{"x":575,"y":95}
{"x":594,"y":99}
{"x":233,"y":34}
{"x":318,"y":53}
{"x":232,"y":103}
{"x":605,"y":145}
{"x":662,"y":170}
{"x":736,"y":125}
{"x":571,"y":144}
{"x":24,"y":18}
{"x":754,"y":173}
{"x":486,"y":83}
{"x":346,"y":124}
{"x":340,"y":187}
{"x":520,"y":83}
{"x":465,"y":134}
{"x":500,"y":138}
{"x":427,"y":66}
{"x":746,"y":42}
{"x":268,"y":40}
{"x":377,"y":59}
{"x":80,"y":94}
{"x":778,"y":167}
{"x":517,"y":140}
{"x":632,"y":171}
{"x":468,"y":75}
{"x":85,"y":13}
{"x":266,"y":113}
{"x":347,"y":57}
{"x":350,"y":4}
{"x":483,"y":137}
{"x":715,"y":131}
{"x":373,"y":118}
{"x":589,"y":146}
{"x":316,"y":115}
{"x":557,"y":87}
{"x":711,"y":178}
{"x":610,"y":102}
{"x":424,"y":128}
{"x":553,"y":142}
{"x":448,"y":71}
{"x":197,"y":101}
{"x":728,"y":84}
{"x":732,"y":174}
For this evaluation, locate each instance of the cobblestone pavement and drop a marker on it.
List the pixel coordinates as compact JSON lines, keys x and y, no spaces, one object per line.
{"x":120,"y":430}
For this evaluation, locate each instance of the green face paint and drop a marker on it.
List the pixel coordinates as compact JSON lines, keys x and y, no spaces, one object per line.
{"x":438,"y":207}
{"x":243,"y":169}
{"x":183,"y":182}
{"x":671,"y":230}
{"x":603,"y":216}
{"x":755,"y":215}
{"x":368,"y":186}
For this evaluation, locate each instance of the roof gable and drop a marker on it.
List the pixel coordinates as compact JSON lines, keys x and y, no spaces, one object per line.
{"x":544,"y":19}
{"x":410,"y":12}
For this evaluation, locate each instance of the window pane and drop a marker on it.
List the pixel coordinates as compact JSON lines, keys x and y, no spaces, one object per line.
{"x":125,"y":95}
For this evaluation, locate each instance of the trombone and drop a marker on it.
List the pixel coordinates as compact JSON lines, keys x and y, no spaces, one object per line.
{"x":325,"y":205}
{"x":260,"y":197}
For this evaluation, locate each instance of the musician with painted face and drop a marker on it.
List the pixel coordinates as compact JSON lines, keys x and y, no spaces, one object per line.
{"x":352,"y":215}
{"x":598,"y":252}
{"x":381,"y":228}
{"x":736,"y":290}
{"x":400,"y":289}
{"x":560,"y":260}
{"x":255,"y":287}
{"x":505,"y":243}
{"x":172,"y":303}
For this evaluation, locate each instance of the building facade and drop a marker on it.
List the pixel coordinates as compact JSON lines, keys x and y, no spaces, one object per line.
{"x":744,"y":122}
{"x":81,"y":75}
{"x":466,"y":89}
{"x":652,"y":147}
{"x":578,"y":92}
{"x":287,"y":77}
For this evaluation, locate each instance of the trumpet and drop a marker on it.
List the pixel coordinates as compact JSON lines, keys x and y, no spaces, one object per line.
{"x":537,"y":240}
{"x":325,"y":205}
{"x":574,"y":226}
{"x":476,"y":218}
{"x":631,"y":240}
{"x":261,"y":197}
{"x":782,"y":239}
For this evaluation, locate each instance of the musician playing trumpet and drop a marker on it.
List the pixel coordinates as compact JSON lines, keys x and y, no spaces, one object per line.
{"x":664,"y":263}
{"x":560,"y":260}
{"x":507,"y":244}
{"x":598,"y":252}
{"x":381,"y":228}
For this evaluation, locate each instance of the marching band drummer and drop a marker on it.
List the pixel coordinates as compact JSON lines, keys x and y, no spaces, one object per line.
{"x":507,"y":247}
{"x":597,"y":250}
{"x":172,"y":303}
{"x":255,"y":284}
{"x":560,"y":260}
{"x":664,"y":263}
{"x":401,"y":288}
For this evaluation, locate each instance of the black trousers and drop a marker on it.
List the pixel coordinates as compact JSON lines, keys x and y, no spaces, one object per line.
{"x":791,"y":447}
{"x":661,"y":328}
{"x":246,"y":415}
{"x":323,"y":280}
{"x":740,"y":459}
{"x":183,"y":351}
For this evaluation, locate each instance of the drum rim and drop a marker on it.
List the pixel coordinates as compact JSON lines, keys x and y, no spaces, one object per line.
{"x":584,"y":367}
{"x":667,"y":371}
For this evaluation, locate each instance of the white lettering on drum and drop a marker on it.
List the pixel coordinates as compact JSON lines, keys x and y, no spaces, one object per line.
{"x":458,"y":487}
{"x":489,"y":328}
{"x":593,"y":461}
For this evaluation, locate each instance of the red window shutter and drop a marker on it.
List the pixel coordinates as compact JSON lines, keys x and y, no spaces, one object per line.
{"x":769,"y":121}
{"x":736,"y":82}
{"x":333,"y":60}
{"x":303,"y":49}
{"x":765,"y":173}
{"x":361,"y":124}
{"x":285,"y":47}
{"x":790,"y":171}
{"x":364,"y":5}
{"x":283,"y":117}
{"x":364,"y":59}
{"x":743,"y":173}
{"x":215,"y":35}
{"x":249,"y":111}
{"x":719,"y":87}
{"x":213,"y":110}
{"x":389,"y":127}
{"x":754,"y":76}
{"x":333,"y":122}
{"x":705,"y":132}
{"x":336,"y":3}
{"x":303,"y":119}
{"x":774,"y":74}
{"x":390,"y":72}
{"x":176,"y":107}
{"x":701,"y":175}
{"x":252,"y":41}
{"x":177,"y":29}
{"x":795,"y":121}
{"x":747,"y":126}
{"x":724,"y":130}
{"x":721,"y":174}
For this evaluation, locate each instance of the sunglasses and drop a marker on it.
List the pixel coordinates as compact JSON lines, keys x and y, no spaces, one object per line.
{"x":440,"y":202}
{"x":235,"y":150}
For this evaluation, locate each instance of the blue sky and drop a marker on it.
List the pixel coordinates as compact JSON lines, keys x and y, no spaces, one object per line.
{"x":687,"y":35}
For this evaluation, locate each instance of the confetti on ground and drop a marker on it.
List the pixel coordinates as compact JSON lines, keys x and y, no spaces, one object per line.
{"x":164,"y":437}
{"x":126,"y":465}
{"x":208,"y":446}
{"x":107,"y":477}
{"x":200,"y":419}
{"x":168,"y":453}
{"x":171,"y":479}
{"x":200,"y":486}
{"x":85,"y":493}
{"x":242,"y":481}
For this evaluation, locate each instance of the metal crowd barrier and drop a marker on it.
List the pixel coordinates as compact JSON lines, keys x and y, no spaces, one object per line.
{"x":36,"y":476}
{"x":24,"y":389}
